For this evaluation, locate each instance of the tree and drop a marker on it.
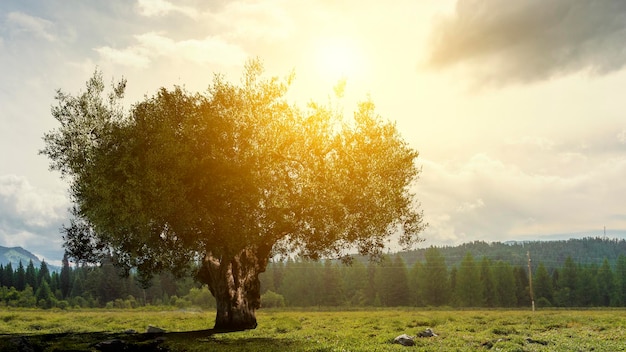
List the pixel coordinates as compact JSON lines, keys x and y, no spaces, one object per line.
{"x":505,"y":284}
{"x":393,"y":282}
{"x":522,"y":292}
{"x":20,"y":277}
{"x":490,"y":297}
{"x":31,"y":275}
{"x":568,"y":283}
{"x":434,"y":286}
{"x":542,"y":285}
{"x":9,"y":275}
{"x":65,"y":277}
{"x":43,"y":274}
{"x":331,"y":285}
{"x":230,"y":177}
{"x":354,"y":283}
{"x":468,"y":285}
{"x":606,"y":285}
{"x":416,"y":283}
{"x":620,"y":272}
{"x":44,"y":295}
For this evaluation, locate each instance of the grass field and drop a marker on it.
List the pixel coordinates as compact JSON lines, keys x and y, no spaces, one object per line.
{"x":362,"y":330}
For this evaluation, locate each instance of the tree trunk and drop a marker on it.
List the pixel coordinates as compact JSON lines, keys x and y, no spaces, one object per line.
{"x":234,"y":282}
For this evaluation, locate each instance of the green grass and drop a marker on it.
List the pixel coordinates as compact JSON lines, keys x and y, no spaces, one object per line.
{"x":366,"y":330}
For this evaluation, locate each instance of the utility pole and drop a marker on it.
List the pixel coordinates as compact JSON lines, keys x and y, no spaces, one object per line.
{"x":530,"y":283}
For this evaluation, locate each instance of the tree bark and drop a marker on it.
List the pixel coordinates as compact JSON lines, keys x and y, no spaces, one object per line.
{"x":234,"y":282}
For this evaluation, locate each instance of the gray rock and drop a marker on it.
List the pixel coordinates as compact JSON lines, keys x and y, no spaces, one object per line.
{"x":404,"y":340}
{"x":154,"y":330}
{"x":427,"y":333}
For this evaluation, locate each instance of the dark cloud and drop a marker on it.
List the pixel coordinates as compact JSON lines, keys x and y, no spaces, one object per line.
{"x":502,"y":41}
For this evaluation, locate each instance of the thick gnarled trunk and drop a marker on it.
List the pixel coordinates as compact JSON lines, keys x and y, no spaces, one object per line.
{"x":234,"y":282}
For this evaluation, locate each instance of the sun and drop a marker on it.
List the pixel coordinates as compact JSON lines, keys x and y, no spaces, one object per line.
{"x":338,"y":58}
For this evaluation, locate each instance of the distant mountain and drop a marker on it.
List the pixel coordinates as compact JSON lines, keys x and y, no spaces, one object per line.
{"x":14,"y":255}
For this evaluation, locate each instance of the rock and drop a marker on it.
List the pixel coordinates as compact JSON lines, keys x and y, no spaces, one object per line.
{"x":427,"y":333}
{"x":154,"y":330}
{"x":130,"y":331}
{"x":404,"y":340}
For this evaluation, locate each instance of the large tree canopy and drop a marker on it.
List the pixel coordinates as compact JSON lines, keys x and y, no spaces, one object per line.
{"x":228,"y":179}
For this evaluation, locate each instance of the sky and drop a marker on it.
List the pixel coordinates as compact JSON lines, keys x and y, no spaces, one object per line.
{"x":516,"y":107}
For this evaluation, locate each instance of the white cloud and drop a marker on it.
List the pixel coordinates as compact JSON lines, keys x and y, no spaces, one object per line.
{"x":470,"y":206}
{"x":128,"y":57}
{"x":524,"y":41}
{"x":152,"y":8}
{"x":21,"y":22}
{"x":152,"y":46}
{"x":497,"y":200}
{"x":621,"y":137}
{"x":258,"y":20}
{"x":22,"y":203}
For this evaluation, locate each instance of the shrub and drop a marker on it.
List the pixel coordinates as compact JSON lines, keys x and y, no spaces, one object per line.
{"x":271,"y":299}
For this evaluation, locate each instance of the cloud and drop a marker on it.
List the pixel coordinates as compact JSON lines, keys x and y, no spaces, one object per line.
{"x":31,"y":217}
{"x":487,"y":198}
{"x":621,"y":137}
{"x":155,"y":8}
{"x":133,"y":57}
{"x":23,"y":204}
{"x":525,"y":41}
{"x":23,"y":23}
{"x":151,"y":46}
{"x":263,"y":20}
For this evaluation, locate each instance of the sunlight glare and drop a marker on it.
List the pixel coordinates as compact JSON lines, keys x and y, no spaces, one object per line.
{"x":338,"y":58}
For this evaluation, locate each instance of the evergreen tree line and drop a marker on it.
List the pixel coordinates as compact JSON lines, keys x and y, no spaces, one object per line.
{"x":95,"y":287}
{"x":472,"y":282}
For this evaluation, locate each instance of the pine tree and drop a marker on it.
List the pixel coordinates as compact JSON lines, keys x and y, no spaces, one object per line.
{"x":43,"y":274}
{"x":620,"y":272}
{"x":354,"y":282}
{"x":606,"y":285}
{"x":542,"y":285}
{"x":521,"y":287}
{"x":488,"y":286}
{"x":331,"y":285}
{"x":371,"y":289}
{"x":31,"y":275}
{"x":44,"y":295}
{"x":20,"y":277}
{"x":434,"y":283}
{"x":399,"y":283}
{"x":568,"y":282}
{"x":8,"y":275}
{"x":65,"y":278}
{"x":504,"y":278}
{"x":415,"y":285}
{"x":587,"y":293}
{"x":468,"y":286}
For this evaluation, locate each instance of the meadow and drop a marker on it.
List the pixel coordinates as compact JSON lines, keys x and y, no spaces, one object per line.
{"x":322,"y":330}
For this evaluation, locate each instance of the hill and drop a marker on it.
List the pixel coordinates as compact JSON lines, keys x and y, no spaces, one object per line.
{"x":590,"y":250}
{"x":14,"y":255}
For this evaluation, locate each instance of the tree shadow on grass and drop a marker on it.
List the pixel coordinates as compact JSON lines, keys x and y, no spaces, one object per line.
{"x":201,"y":340}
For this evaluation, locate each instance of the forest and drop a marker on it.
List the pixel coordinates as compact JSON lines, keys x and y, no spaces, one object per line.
{"x":437,"y":277}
